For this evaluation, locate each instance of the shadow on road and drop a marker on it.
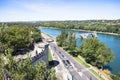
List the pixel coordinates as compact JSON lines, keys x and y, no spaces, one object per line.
{"x":53,"y":63}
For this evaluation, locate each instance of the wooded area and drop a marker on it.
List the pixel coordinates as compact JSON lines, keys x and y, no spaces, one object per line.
{"x":112,"y":26}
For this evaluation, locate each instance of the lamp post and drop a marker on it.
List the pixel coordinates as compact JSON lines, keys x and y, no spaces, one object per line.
{"x":72,"y":77}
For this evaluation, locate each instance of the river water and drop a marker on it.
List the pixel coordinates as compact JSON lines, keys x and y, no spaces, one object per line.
{"x":112,"y":41}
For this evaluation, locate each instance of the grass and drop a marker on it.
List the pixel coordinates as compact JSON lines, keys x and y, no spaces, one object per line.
{"x":49,"y":55}
{"x":50,"y":59}
{"x":81,"y":61}
{"x":91,"y":70}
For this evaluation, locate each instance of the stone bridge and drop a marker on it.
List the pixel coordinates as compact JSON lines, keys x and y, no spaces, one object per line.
{"x":86,"y":35}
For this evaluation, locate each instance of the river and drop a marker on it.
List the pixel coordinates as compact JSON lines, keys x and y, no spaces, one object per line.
{"x":112,"y":41}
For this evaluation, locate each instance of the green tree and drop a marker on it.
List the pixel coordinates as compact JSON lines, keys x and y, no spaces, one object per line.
{"x":96,"y":53}
{"x":62,"y":39}
{"x":24,"y":70}
{"x":18,"y":37}
{"x":116,"y":77}
{"x":72,"y":41}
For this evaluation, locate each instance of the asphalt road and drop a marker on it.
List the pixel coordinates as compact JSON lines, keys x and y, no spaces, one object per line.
{"x":76,"y":71}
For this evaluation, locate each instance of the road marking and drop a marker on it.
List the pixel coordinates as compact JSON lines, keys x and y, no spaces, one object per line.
{"x":80,"y":73}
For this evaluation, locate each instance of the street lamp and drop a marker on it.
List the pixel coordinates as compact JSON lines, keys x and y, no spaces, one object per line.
{"x":72,"y":77}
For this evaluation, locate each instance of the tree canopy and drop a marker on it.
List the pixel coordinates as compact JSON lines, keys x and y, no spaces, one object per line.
{"x":116,"y":77}
{"x":67,"y":40}
{"x":95,"y":52}
{"x":24,"y":70}
{"x":18,"y":37}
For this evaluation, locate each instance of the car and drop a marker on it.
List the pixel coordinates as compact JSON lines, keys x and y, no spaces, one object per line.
{"x":68,"y":62}
{"x":66,"y":65}
{"x":62,"y":56}
{"x":59,"y":52}
{"x":75,"y":54}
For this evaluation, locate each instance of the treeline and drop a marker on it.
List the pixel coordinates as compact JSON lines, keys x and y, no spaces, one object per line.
{"x":15,"y":38}
{"x":19,"y":24}
{"x":112,"y":26}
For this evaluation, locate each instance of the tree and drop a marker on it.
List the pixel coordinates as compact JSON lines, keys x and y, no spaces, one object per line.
{"x":96,"y":53}
{"x":72,"y":42}
{"x":62,"y":39}
{"x":16,"y":37}
{"x":116,"y":77}
{"x":24,"y":70}
{"x":67,"y":40}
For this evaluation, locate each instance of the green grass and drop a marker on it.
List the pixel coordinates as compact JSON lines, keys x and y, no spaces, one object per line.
{"x":50,"y":59}
{"x":49,"y":55}
{"x":82,"y":62}
{"x":91,"y":70}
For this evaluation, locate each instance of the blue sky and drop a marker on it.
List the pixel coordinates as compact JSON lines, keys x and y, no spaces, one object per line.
{"x":34,"y":10}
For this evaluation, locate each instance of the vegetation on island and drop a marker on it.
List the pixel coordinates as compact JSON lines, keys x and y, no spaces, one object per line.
{"x":111,"y":26}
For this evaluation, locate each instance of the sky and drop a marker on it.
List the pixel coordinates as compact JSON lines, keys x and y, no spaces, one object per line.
{"x":48,"y":10}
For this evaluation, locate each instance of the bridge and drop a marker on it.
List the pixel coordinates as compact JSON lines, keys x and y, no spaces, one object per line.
{"x":86,"y":35}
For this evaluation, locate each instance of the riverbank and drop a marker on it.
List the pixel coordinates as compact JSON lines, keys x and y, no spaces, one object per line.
{"x":116,"y":34}
{"x":97,"y":32}
{"x":46,"y":35}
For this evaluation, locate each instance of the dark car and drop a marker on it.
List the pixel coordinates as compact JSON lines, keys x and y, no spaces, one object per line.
{"x":66,"y":65}
{"x":69,"y":64}
{"x":75,"y":54}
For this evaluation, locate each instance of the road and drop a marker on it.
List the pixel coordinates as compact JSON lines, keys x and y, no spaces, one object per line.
{"x":78,"y":71}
